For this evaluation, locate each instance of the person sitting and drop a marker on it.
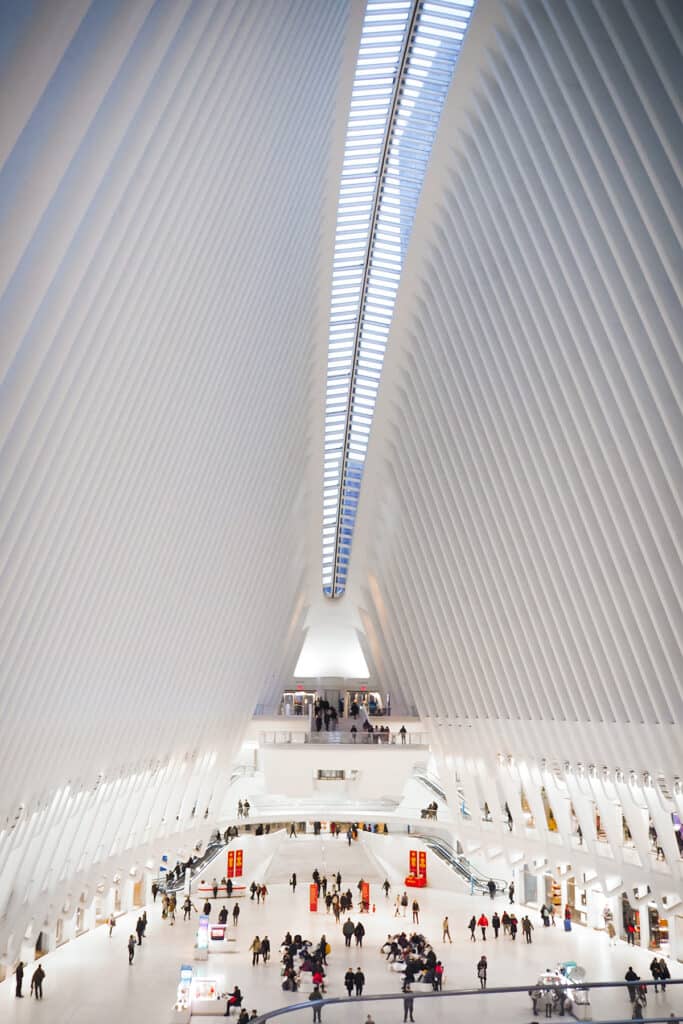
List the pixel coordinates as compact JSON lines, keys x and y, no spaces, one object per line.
{"x":234,"y":999}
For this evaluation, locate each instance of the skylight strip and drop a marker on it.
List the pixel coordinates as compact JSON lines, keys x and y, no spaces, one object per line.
{"x":405,"y":64}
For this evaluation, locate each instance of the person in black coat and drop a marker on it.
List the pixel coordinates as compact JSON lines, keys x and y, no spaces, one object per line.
{"x":19,"y":975}
{"x":37,"y":982}
{"x":349,"y":981}
{"x":359,"y":981}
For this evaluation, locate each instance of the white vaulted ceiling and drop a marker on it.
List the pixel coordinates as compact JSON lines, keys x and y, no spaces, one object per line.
{"x":167,"y":175}
{"x":522,"y":536}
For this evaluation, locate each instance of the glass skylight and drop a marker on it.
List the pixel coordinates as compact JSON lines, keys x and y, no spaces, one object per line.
{"x":407,"y":54}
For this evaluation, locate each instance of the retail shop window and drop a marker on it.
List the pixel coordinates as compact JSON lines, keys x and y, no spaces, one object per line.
{"x":529,"y":819}
{"x":330,"y":775}
{"x":549,"y":815}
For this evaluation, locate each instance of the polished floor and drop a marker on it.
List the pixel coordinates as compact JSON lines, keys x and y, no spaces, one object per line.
{"x":89,"y":981}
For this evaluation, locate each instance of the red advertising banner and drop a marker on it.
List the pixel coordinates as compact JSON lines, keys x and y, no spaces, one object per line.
{"x":422,"y":864}
{"x":365,"y":895}
{"x":313,"y":897}
{"x":412,"y":862}
{"x":231,"y":863}
{"x":239,"y":863}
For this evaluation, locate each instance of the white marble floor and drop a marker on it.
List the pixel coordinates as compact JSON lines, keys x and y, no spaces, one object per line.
{"x":89,"y":980}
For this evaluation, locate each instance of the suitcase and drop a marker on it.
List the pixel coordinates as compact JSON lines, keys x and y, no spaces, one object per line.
{"x":567,"y":926}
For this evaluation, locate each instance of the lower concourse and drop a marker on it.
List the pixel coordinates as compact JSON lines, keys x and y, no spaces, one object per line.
{"x":90,"y":979}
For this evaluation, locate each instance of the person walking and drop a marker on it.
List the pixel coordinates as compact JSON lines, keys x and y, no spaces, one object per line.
{"x":655,"y":972}
{"x":416,"y":912}
{"x":349,"y":981}
{"x":631,"y":979}
{"x":155,"y":890}
{"x":505,"y":921}
{"x":18,"y":979}
{"x":316,"y":998}
{"x":472,"y":926}
{"x":292,"y":882}
{"x":235,"y":914}
{"x":492,"y":888}
{"x":292,"y":831}
{"x":513,"y":927}
{"x":386,"y":886}
{"x":255,"y":950}
{"x":37,"y":982}
{"x":131,"y":949}
{"x":139,"y":930}
{"x":527,"y":928}
{"x":664,"y":973}
{"x":348,"y":928}
{"x":482,"y":968}
{"x":511,"y":892}
{"x":112,"y":924}
{"x":638,"y":1006}
{"x":265,"y":949}
{"x":495,"y":924}
{"x":446,"y":931}
{"x":359,"y":981}
{"x":408,"y":1003}
{"x":359,"y":932}
{"x":483,"y":923}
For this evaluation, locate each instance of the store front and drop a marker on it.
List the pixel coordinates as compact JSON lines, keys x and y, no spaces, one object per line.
{"x":659,"y":929}
{"x":630,"y":916}
{"x":297,"y":702}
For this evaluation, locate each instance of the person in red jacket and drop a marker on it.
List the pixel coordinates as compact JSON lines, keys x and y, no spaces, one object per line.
{"x":483,"y":923}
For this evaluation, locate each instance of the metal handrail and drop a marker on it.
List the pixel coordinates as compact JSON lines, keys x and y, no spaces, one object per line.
{"x":459,"y":993}
{"x":460,"y":864}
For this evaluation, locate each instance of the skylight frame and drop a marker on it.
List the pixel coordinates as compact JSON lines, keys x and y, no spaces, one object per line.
{"x":405,"y":64}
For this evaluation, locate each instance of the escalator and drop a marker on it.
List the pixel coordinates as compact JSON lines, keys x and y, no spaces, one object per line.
{"x":212,"y":850}
{"x":476,"y":880}
{"x":421,"y":774}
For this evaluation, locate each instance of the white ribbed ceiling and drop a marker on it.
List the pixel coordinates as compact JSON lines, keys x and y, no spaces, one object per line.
{"x":522,"y":538}
{"x":166,"y":171}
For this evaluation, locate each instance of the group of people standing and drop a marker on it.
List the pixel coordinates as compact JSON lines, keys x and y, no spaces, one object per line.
{"x":36,"y":981}
{"x":508,"y":922}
